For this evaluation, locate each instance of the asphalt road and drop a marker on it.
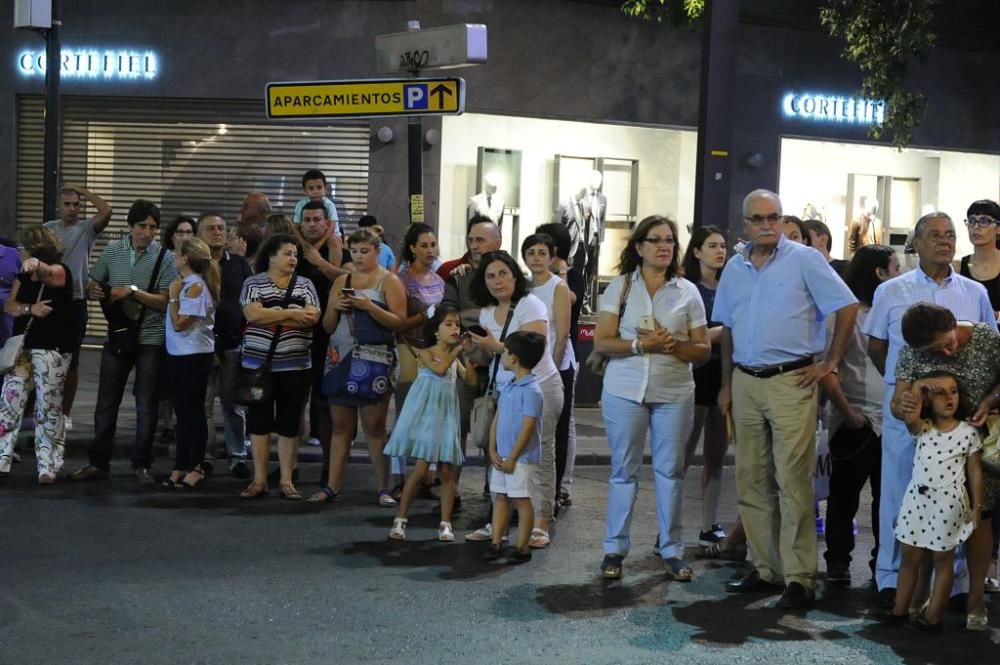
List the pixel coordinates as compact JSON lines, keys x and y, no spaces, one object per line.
{"x":110,"y":573}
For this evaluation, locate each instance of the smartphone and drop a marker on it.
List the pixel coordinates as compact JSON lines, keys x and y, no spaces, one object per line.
{"x":477,"y":330}
{"x":348,"y":293}
{"x":647,"y":322}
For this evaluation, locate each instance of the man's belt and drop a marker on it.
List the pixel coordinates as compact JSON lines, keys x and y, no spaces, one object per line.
{"x":775,"y":370}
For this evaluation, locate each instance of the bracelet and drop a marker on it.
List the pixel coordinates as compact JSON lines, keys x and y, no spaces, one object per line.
{"x":173,"y":300}
{"x":27,"y":310}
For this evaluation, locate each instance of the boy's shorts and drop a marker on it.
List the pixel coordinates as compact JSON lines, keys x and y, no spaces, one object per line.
{"x":517,"y":485}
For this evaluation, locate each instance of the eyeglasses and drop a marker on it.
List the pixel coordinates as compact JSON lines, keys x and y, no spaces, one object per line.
{"x":659,"y":241}
{"x":757,"y":220}
{"x":982,"y":221}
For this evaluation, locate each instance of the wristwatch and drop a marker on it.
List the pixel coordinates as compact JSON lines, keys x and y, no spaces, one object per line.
{"x":133,"y":288}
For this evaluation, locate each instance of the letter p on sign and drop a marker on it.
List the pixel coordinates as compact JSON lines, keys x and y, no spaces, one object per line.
{"x":415,"y":96}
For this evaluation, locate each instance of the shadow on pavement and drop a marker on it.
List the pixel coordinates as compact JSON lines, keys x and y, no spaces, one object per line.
{"x":462,"y":561}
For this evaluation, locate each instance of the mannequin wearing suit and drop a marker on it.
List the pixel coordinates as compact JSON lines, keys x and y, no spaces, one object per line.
{"x":866,"y":229}
{"x":488,"y":203}
{"x":588,"y":209}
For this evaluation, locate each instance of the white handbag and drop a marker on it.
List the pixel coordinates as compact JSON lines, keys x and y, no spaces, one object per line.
{"x":14,"y":346}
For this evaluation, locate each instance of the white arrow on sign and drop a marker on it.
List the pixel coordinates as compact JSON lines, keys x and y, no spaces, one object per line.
{"x":447,"y":47}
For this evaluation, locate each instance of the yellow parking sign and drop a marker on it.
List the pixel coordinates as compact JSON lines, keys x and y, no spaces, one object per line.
{"x":365,"y":98}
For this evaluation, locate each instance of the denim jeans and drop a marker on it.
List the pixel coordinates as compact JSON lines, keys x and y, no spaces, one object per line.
{"x":669,"y":425}
{"x":110,"y":391}
{"x":222,"y":384}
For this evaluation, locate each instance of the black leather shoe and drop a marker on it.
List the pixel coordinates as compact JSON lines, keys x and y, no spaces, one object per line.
{"x":796,"y":597}
{"x":752,"y":583}
{"x":886,"y":598}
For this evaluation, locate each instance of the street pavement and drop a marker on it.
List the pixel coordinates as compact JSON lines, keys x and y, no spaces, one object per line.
{"x":108,"y":572}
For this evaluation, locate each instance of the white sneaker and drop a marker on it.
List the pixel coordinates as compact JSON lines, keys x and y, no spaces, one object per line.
{"x":5,"y":461}
{"x":445,"y":534}
{"x":67,"y":424}
{"x":481,"y":535}
{"x":398,"y":531}
{"x":313,"y":442}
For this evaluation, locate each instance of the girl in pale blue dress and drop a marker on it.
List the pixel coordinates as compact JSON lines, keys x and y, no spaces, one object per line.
{"x":429,"y":428}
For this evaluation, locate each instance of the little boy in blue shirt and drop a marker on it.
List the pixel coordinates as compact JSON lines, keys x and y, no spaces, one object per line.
{"x":314,"y":188}
{"x":515,"y":444}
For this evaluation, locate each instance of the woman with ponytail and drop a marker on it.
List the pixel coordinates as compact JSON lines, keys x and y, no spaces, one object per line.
{"x":191,"y":344}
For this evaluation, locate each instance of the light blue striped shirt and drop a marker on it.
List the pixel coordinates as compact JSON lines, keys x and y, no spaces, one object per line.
{"x":776,"y":313}
{"x":967,"y":300}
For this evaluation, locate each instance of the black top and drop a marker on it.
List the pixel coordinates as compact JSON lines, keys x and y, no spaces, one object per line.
{"x":708,"y":298}
{"x":229,"y":314}
{"x":992,"y":285}
{"x":840,"y":266}
{"x":55,"y":331}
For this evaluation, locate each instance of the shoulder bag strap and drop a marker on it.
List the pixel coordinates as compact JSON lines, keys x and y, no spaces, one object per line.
{"x":624,"y":301}
{"x":280,"y":327}
{"x":350,"y":313}
{"x":152,"y":284}
{"x":496,"y":360}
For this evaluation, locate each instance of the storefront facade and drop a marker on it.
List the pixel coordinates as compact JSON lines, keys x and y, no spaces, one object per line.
{"x":165,"y":100}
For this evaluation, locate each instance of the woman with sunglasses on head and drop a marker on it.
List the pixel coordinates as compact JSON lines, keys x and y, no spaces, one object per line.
{"x":983,"y":265}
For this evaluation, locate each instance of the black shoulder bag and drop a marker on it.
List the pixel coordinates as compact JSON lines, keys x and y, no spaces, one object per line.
{"x":254,"y":386}
{"x":485,"y":408}
{"x":123,"y":332}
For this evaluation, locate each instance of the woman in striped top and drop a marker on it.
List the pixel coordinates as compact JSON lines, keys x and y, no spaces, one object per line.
{"x":263,"y":299}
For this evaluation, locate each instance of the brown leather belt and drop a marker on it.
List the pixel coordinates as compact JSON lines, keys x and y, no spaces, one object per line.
{"x":775,"y":370}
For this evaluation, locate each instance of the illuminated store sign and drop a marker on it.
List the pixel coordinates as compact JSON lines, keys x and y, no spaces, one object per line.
{"x":832,"y":108}
{"x":88,"y":63}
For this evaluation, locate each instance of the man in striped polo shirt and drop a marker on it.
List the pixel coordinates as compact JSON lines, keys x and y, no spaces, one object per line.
{"x":122,"y":276}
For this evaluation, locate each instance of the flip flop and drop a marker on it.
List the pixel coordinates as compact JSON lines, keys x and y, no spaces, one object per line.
{"x":254,"y":492}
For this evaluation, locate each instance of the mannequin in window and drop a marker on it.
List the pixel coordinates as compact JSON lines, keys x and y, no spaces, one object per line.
{"x":812,"y":212}
{"x":586,"y":217}
{"x":487,"y":203}
{"x":866,"y":229}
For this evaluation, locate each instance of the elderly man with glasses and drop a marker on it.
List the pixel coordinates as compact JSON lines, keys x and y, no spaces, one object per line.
{"x":933,"y":281}
{"x":771,"y":301}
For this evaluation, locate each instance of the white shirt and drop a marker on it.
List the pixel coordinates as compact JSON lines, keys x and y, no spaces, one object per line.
{"x":529,"y":309}
{"x":862,"y":384}
{"x":547,"y":294}
{"x":653,"y":377}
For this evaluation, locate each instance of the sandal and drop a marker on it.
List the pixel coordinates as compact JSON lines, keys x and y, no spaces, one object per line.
{"x":290,"y":492}
{"x":185,"y":485}
{"x":325,"y":494}
{"x":611,"y":566}
{"x":398,"y":530}
{"x":385,"y":499}
{"x":992,"y":585}
{"x":170,"y":483}
{"x":445,"y":534}
{"x":539,"y":539}
{"x":47,"y":478}
{"x":254,"y":491}
{"x":679,"y":570}
{"x":397,"y":492}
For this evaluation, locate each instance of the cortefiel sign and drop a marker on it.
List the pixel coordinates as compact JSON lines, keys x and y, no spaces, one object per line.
{"x":365,"y":98}
{"x":819,"y":107}
{"x":93,"y":63}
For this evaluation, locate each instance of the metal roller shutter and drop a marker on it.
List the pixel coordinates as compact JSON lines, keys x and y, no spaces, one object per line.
{"x":188,"y":156}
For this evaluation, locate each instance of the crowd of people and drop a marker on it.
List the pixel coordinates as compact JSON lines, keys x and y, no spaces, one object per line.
{"x":301,"y":330}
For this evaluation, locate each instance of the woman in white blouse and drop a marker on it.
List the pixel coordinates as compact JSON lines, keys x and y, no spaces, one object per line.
{"x":652,"y":326}
{"x":500,"y":287}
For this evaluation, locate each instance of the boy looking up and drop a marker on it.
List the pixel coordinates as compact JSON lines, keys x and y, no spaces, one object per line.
{"x":515,"y":444}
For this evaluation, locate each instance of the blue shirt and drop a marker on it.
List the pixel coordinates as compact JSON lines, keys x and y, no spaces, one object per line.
{"x":331,"y":212}
{"x":386,"y":258}
{"x":519,"y":399}
{"x":966,"y":298}
{"x":776,"y":313}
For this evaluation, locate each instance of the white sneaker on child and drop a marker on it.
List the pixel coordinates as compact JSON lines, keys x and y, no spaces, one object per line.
{"x":445,"y":534}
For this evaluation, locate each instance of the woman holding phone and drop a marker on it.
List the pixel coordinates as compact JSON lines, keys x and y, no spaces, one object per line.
{"x":652,"y":326}
{"x":366,"y":307}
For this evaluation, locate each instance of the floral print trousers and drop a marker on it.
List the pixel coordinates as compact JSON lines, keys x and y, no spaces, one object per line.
{"x":45,"y":371}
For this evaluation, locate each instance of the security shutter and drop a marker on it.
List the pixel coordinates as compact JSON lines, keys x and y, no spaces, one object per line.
{"x":188,"y":156}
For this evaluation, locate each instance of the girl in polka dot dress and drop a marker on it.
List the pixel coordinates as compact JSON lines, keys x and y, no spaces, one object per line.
{"x":936,"y":516}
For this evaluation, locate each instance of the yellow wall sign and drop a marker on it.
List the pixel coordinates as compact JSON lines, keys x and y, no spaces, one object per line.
{"x":365,"y":99}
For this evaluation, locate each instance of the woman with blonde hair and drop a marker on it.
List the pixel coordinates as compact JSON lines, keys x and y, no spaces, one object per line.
{"x":191,"y":305}
{"x":41,"y":300}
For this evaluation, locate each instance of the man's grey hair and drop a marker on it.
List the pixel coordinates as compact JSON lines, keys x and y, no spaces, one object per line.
{"x":492,"y":226}
{"x":760,"y":194}
{"x":918,"y":228}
